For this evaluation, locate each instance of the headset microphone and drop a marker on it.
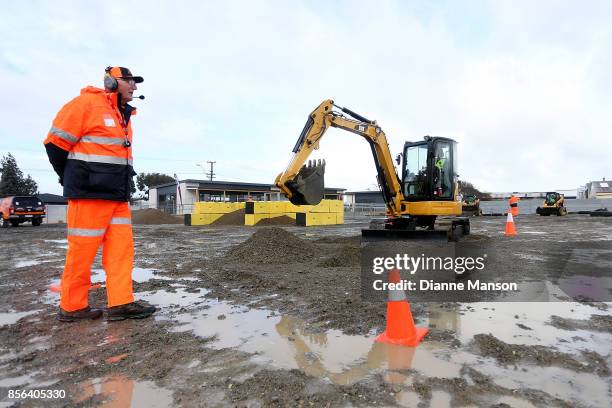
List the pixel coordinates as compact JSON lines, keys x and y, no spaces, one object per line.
{"x":138,"y":97}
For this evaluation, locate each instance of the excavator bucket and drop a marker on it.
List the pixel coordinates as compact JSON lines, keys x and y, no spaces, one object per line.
{"x":308,"y":186}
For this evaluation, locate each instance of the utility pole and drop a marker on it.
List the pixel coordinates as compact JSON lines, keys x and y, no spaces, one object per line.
{"x":211,"y":174}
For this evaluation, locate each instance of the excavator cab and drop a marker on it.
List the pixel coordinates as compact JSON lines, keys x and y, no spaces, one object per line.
{"x":429,"y":187}
{"x":429,"y":171}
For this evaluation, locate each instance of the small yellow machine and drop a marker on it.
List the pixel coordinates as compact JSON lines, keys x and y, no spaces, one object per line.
{"x":422,"y":202}
{"x":554,"y":203}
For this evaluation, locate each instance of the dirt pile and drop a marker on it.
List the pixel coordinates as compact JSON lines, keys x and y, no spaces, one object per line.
{"x":233,"y":218}
{"x":282,"y":220}
{"x":271,"y":246}
{"x":152,"y":216}
{"x":344,"y":256}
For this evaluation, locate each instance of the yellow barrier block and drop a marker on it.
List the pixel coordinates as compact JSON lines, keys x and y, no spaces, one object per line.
{"x":336,"y":206}
{"x":237,"y":206}
{"x":322,"y":207}
{"x":292,"y":208}
{"x":204,"y":219}
{"x":209,"y":207}
{"x":340,"y":217}
{"x":269,"y":207}
{"x":313,"y":219}
{"x":249,"y":219}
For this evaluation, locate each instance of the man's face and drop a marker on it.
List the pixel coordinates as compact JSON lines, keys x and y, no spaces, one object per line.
{"x":126,"y":88}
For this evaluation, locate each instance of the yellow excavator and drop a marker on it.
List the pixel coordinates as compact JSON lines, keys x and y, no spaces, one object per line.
{"x":423,"y":203}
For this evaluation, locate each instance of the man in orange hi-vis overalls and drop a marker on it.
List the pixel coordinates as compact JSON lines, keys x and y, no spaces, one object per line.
{"x":89,"y":146}
{"x":513,"y":203}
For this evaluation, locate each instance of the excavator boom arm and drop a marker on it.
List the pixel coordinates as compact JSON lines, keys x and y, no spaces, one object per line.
{"x":303,"y":184}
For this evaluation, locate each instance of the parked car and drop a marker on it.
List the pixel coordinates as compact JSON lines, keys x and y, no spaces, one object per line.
{"x":19,"y":209}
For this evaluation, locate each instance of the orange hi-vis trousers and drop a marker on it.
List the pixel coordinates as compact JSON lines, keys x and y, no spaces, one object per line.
{"x":91,"y":223}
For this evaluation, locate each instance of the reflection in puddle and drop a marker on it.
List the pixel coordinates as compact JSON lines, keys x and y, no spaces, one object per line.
{"x":119,"y":391}
{"x":283,"y":342}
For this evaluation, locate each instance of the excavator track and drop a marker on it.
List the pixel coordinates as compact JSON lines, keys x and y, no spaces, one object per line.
{"x":445,"y":228}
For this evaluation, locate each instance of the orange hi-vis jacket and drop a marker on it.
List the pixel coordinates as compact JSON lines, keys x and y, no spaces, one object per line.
{"x":97,"y":138}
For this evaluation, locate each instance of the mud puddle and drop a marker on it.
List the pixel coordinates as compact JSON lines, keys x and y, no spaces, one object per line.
{"x":528,"y":323}
{"x":281,"y":341}
{"x":12,"y":317}
{"x":98,"y":276}
{"x":8,"y":381}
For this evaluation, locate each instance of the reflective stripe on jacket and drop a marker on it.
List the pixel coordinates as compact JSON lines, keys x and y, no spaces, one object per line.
{"x":90,"y":129}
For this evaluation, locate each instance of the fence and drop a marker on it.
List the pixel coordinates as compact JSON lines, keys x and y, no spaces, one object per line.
{"x":369,"y":210}
{"x":168,"y":208}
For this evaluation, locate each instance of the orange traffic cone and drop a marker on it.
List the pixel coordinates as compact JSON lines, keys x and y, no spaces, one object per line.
{"x":510,"y":228}
{"x":400,"y":324}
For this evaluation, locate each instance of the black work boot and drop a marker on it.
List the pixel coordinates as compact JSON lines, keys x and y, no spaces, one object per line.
{"x":132,"y":310}
{"x":81,"y":314}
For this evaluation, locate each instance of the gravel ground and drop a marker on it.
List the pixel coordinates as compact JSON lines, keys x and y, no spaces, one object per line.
{"x":272,"y":316}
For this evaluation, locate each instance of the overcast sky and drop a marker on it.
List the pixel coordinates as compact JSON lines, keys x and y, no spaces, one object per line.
{"x":523,"y":86}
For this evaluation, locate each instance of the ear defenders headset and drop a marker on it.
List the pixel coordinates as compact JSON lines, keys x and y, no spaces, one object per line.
{"x":110,"y":82}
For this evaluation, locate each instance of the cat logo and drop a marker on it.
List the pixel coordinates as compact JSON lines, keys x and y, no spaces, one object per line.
{"x":361,"y":128}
